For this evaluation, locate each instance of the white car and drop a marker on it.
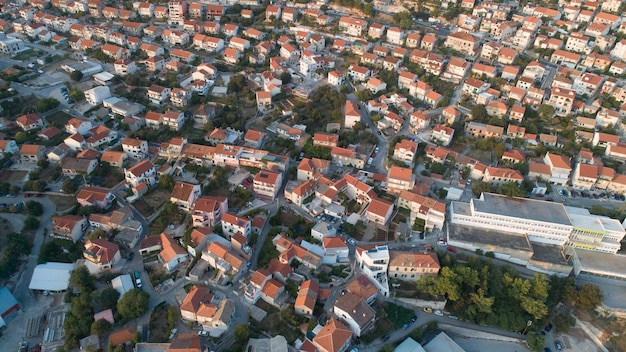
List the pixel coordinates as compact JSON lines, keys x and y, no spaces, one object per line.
{"x":438,"y":312}
{"x":203,"y":333}
{"x":138,"y":283}
{"x":351,"y":241}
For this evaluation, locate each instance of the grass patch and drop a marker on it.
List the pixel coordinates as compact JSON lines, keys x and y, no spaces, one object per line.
{"x":25,"y":55}
{"x":397,"y":314}
{"x":58,"y":119}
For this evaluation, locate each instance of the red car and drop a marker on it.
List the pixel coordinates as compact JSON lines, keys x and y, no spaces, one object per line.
{"x":28,"y":195}
{"x":38,"y":195}
{"x":451,"y":249}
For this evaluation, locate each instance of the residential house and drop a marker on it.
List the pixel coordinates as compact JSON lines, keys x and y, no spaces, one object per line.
{"x":95,"y":196}
{"x":333,"y":337}
{"x":373,"y":260}
{"x":32,"y":153}
{"x":379,"y":211}
{"x":102,"y":253}
{"x":135,"y":148}
{"x":232,"y":224}
{"x":352,"y":114}
{"x":432,"y":212}
{"x":30,"y":121}
{"x":185,"y":195}
{"x":172,"y":253}
{"x":143,"y":172}
{"x":405,"y":151}
{"x":411,"y":266}
{"x":442,"y":134}
{"x":207,"y":211}
{"x":70,"y":227}
{"x":560,"y":168}
{"x":355,"y":313}
{"x":399,"y":179}
{"x":267,"y":183}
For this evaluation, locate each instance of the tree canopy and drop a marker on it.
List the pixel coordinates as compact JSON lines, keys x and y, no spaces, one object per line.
{"x":489,"y":294}
{"x":133,"y":304}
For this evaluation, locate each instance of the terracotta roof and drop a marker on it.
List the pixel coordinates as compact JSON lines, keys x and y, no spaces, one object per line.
{"x":272,"y":288}
{"x":196,"y":296}
{"x":413,"y":259}
{"x":400,"y":173}
{"x":170,"y":248}
{"x":333,"y":336}
{"x":101,"y":251}
{"x":122,"y":336}
{"x":141,"y":167}
{"x":363,"y":287}
{"x":182,"y":190}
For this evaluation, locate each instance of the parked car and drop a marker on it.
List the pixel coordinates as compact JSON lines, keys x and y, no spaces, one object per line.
{"x":558,"y":346}
{"x":441,"y":241}
{"x":130,"y":256}
{"x":137,"y":275}
{"x":427,"y":310}
{"x":351,"y":241}
{"x":438,"y":312}
{"x":203,"y":333}
{"x":138,"y":283}
{"x":405,"y":326}
{"x":549,"y":327}
{"x":451,"y":249}
{"x":386,"y":337}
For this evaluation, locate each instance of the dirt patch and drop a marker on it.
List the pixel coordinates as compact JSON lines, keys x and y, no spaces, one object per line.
{"x":484,"y":156}
{"x":459,"y":148}
{"x":159,"y":325}
{"x":48,"y":173}
{"x":112,"y":179}
{"x":62,"y":203}
{"x":151,"y":202}
{"x":12,"y":175}
{"x":288,"y":219}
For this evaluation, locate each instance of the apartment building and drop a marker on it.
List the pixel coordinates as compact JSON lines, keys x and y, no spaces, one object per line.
{"x":267,"y":183}
{"x":373,"y":260}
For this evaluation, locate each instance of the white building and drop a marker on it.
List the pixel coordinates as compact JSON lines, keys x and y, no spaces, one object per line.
{"x":374,"y":261}
{"x":542,"y":221}
{"x":96,"y":95}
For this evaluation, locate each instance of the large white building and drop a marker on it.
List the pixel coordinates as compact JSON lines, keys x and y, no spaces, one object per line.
{"x":96,"y":95}
{"x":542,"y":222}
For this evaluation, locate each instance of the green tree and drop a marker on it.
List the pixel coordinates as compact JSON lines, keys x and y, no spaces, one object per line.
{"x":83,"y":280}
{"x":76,"y":94}
{"x":241,"y":333}
{"x":564,"y":322}
{"x":479,"y":187}
{"x":20,"y":137}
{"x":69,"y":186}
{"x":285,"y":77}
{"x":536,"y":342}
{"x":236,"y":83}
{"x":77,"y":75}
{"x":589,"y":297}
{"x":133,"y":304}
{"x":546,"y":111}
{"x":31,"y":223}
{"x":364,"y":95}
{"x":33,"y":208}
{"x":479,"y":113}
{"x":47,"y":104}
{"x":4,"y":187}
{"x":109,"y":297}
{"x":100,"y":327}
{"x":166,"y":182}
